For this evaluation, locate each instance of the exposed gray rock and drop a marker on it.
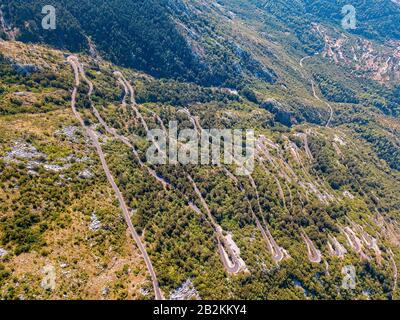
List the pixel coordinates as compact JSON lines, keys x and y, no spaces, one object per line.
{"x":105,"y":291}
{"x":55,"y":168}
{"x":86,"y":174}
{"x":95,"y":224}
{"x":25,"y":151}
{"x":6,"y":29}
{"x":25,"y":69}
{"x":144,"y":292}
{"x":84,"y":159}
{"x":3,"y":253}
{"x":185,"y":292}
{"x":49,"y":279}
{"x":72,"y":133}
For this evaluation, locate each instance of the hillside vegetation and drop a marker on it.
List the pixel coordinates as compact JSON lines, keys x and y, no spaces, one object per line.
{"x":76,"y":107}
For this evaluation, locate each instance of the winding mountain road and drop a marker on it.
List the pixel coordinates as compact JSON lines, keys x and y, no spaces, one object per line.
{"x":275,"y":250}
{"x":230,"y":267}
{"x":328,"y":123}
{"x":395,"y":276}
{"x":77,"y":68}
{"x":335,"y":247}
{"x":314,"y":255}
{"x":223,"y":247}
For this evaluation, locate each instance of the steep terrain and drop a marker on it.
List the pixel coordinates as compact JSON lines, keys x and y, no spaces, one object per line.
{"x":83,"y":213}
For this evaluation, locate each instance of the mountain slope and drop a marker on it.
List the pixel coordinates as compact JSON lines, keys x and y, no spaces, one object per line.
{"x":324,"y":193}
{"x":317,"y":194}
{"x":147,"y":30}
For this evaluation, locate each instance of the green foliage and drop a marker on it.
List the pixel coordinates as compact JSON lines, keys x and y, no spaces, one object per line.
{"x":179,"y":94}
{"x":386,"y":148}
{"x":14,"y":81}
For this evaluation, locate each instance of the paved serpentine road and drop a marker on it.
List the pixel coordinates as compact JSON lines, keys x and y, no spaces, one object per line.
{"x":394,"y":271}
{"x":230,"y":267}
{"x":73,"y":60}
{"x":328,"y":123}
{"x":129,"y":91}
{"x":314,"y":255}
{"x":277,"y":254}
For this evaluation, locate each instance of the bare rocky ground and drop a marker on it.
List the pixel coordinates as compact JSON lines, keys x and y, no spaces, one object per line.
{"x":185,"y":292}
